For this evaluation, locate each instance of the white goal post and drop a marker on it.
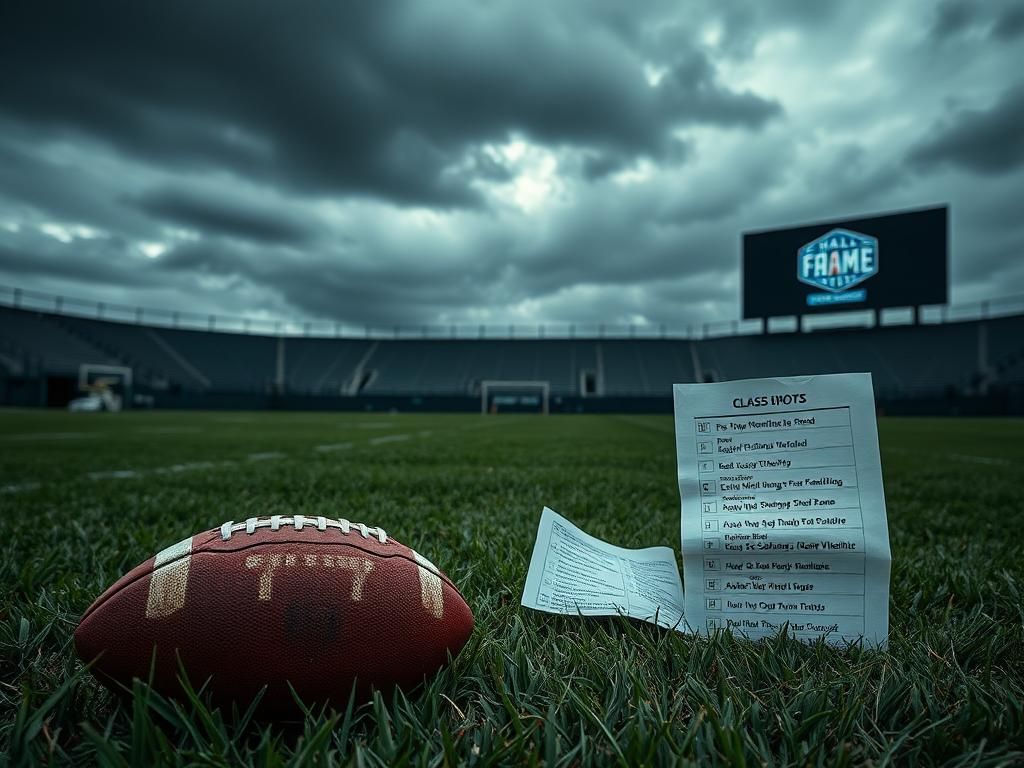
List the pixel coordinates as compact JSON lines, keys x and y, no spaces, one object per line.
{"x":106,"y":387}
{"x":513,"y":390}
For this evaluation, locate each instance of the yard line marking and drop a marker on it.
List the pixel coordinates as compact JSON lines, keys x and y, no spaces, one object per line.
{"x":24,"y":436}
{"x":388,"y":439}
{"x":980,"y":459}
{"x":172,"y":469}
{"x":168,"y":430}
{"x":328,"y":447}
{"x":189,"y":466}
{"x":265,"y":456}
{"x":374,"y":424}
{"x":19,"y":487}
{"x":115,"y":474}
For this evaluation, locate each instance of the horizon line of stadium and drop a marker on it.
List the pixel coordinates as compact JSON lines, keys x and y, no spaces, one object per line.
{"x":953,"y":365}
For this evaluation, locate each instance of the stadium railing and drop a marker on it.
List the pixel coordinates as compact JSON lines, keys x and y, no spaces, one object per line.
{"x":20,"y":298}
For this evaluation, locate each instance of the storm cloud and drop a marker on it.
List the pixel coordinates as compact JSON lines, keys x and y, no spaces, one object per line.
{"x":464,"y":162}
{"x":984,"y":141}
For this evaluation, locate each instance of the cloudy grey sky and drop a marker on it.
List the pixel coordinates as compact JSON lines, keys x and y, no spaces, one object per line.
{"x":459,"y":161}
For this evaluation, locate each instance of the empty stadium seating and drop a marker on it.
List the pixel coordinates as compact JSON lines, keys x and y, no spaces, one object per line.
{"x":42,"y":343}
{"x":904,"y":360}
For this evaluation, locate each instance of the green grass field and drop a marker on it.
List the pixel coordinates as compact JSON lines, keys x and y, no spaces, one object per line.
{"x":85,"y":497}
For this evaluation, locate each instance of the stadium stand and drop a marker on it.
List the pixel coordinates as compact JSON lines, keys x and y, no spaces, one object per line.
{"x":41,"y":343}
{"x":908,"y":361}
{"x":138,"y":347}
{"x":323,"y":366}
{"x":228,"y":361}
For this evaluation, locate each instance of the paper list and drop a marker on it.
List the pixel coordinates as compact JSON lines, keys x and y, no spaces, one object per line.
{"x":768,"y":477}
{"x":774,"y":500}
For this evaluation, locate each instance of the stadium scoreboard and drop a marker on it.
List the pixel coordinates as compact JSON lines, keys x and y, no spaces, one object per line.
{"x":891,"y":260}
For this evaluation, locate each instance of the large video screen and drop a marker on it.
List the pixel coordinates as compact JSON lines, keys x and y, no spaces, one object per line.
{"x":894,"y":260}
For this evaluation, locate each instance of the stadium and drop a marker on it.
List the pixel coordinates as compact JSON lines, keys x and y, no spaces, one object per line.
{"x":961,"y":360}
{"x":374,"y":385}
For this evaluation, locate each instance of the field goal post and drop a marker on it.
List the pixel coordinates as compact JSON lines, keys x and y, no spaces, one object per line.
{"x":111,"y":383}
{"x":514,"y":395}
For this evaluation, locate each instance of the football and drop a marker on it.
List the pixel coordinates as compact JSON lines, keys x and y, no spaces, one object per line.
{"x":319,"y":604}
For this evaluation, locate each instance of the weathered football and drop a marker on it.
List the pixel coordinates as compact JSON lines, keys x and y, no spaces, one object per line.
{"x":318,"y":603}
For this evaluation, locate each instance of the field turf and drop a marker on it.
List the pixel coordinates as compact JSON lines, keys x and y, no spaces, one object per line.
{"x":85,"y":497}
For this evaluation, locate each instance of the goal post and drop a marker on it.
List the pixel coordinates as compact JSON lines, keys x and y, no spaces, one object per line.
{"x":105,"y":387}
{"x":498,"y":396}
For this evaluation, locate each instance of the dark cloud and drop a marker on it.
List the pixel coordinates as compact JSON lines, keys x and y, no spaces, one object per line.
{"x":381,"y":99}
{"x":982,"y":141}
{"x":208,"y":257}
{"x":597,"y":165}
{"x":1010,"y":24}
{"x":60,"y":189}
{"x":262,"y":223}
{"x":473,"y":162}
{"x":953,"y":17}
{"x":744,"y":23}
{"x":87,"y":262}
{"x":1002,"y":20}
{"x":690,"y":85}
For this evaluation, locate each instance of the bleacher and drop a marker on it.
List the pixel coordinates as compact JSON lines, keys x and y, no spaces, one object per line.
{"x":906,"y":361}
{"x":322,"y":366}
{"x":41,"y":343}
{"x":137,"y":347}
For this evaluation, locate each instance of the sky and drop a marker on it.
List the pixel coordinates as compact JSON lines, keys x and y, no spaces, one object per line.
{"x":528,"y":162}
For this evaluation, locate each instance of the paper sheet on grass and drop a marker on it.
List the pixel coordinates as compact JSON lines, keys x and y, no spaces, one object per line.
{"x":783,"y":513}
{"x":571,"y":572}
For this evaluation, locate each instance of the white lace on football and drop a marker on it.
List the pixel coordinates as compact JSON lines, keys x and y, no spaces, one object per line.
{"x":274,"y":523}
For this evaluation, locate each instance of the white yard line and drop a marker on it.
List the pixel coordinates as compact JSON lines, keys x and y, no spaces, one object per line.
{"x":328,"y":447}
{"x":168,"y":430}
{"x":979,"y":459}
{"x":388,"y":439}
{"x":115,"y":474}
{"x":190,"y":466}
{"x":171,"y":469}
{"x":19,"y":487}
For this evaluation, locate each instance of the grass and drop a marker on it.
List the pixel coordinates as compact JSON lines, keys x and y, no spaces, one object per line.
{"x":529,"y":688}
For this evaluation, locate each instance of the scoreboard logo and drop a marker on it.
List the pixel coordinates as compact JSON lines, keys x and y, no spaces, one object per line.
{"x":837,"y":262}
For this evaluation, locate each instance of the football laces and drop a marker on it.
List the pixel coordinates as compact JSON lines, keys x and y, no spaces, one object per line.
{"x":298,"y":522}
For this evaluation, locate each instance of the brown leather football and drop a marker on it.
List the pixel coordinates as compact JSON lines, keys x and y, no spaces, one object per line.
{"x":319,"y":603}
